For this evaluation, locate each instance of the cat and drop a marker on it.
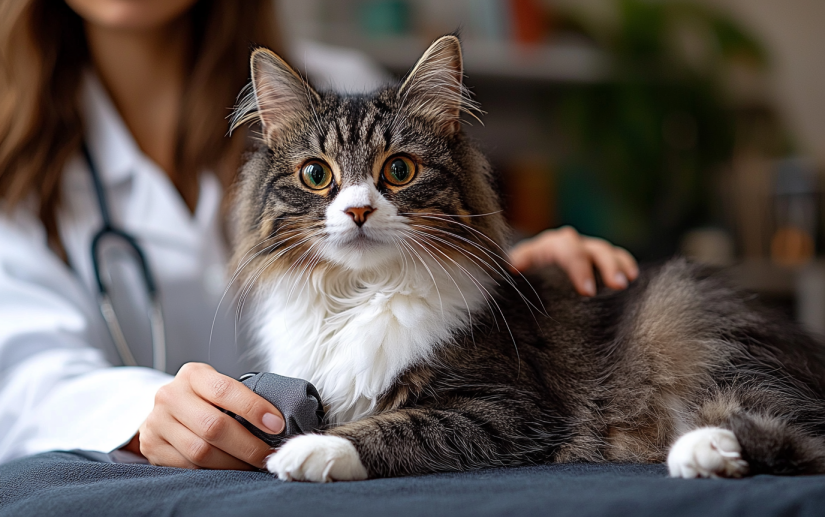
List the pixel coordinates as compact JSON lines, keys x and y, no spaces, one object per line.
{"x":371,"y":242}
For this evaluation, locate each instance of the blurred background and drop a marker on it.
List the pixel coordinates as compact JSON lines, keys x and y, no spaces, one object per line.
{"x":668,"y":127}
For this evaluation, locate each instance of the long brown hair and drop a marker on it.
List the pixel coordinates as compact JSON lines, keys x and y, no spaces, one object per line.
{"x":42,"y":54}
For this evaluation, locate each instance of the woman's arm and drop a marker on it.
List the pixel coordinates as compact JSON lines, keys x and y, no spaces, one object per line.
{"x":577,"y":255}
{"x":58,"y":391}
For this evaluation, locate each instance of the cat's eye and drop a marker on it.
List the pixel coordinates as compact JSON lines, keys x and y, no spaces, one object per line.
{"x":316,"y":175}
{"x":398,"y":170}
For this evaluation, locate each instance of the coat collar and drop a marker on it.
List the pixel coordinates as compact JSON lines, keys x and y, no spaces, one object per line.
{"x":150,"y":208}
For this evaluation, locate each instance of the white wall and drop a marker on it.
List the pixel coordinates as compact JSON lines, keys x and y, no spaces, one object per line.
{"x":793,"y":31}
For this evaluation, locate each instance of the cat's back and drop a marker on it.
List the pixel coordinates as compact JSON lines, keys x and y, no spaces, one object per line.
{"x":676,"y":317}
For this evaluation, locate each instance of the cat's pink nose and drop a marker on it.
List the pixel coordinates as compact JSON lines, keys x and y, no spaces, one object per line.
{"x":359,"y":214}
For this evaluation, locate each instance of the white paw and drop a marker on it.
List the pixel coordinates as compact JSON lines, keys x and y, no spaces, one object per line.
{"x":318,"y":458}
{"x":708,"y":452}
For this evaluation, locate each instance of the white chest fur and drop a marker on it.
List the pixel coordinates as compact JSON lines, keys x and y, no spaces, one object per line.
{"x":352,"y":333}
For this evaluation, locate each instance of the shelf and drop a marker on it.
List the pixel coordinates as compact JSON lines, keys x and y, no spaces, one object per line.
{"x":564,"y":62}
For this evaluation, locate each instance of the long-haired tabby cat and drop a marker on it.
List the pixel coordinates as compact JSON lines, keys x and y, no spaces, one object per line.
{"x":372,"y":237}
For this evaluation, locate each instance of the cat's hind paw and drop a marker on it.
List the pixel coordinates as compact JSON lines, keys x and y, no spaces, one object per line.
{"x":708,"y":452}
{"x":318,"y":458}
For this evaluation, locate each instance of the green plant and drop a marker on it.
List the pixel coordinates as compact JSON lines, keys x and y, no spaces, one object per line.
{"x":644,"y":145}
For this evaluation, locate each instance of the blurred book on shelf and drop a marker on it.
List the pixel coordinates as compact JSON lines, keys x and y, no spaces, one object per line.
{"x":385,"y":17}
{"x":796,"y":196}
{"x":530,"y":194}
{"x":522,"y":21}
{"x":489,"y":19}
{"x":529,"y":21}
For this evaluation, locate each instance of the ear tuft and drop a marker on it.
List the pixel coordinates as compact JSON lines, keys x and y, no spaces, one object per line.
{"x":277,"y":95}
{"x":434,"y":89}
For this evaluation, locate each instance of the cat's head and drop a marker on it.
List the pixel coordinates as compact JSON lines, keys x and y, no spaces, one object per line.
{"x":360,"y":181}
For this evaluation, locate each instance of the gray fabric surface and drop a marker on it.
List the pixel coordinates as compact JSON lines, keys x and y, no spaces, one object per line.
{"x":71,"y":484}
{"x":297,"y":399}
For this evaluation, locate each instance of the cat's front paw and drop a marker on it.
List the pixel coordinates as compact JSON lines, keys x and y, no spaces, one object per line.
{"x":708,"y":452}
{"x":318,"y":458}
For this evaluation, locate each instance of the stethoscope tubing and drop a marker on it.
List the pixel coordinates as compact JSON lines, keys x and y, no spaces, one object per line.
{"x":109,"y":230}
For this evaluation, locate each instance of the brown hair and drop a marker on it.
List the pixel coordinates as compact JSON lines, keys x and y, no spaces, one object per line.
{"x":42,"y":53}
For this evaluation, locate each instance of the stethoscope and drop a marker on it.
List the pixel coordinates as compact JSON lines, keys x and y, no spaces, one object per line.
{"x":106,"y":308}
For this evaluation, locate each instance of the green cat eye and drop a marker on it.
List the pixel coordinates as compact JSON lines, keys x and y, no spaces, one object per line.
{"x":316,"y":175}
{"x":398,"y":170}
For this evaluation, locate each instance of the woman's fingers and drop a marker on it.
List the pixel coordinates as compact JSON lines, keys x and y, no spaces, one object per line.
{"x":522,"y":255}
{"x":155,"y":447}
{"x":581,"y":276}
{"x":203,"y":454}
{"x":185,"y":449}
{"x":575,"y":262}
{"x":227,"y":393}
{"x":627,"y":263}
{"x":616,"y":265}
{"x":544,"y":249}
{"x":168,"y":456}
{"x":187,"y":429}
{"x":577,"y":255}
{"x":564,"y":247}
{"x":201,"y":434}
{"x":222,"y":432}
{"x":161,"y":452}
{"x":606,"y":261}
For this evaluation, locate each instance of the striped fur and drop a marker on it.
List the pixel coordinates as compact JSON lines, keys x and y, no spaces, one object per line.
{"x":432,"y":356}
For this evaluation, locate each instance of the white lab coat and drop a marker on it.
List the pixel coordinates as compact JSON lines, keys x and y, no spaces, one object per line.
{"x":58,"y":387}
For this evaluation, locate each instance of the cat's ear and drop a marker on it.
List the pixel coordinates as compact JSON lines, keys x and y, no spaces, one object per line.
{"x":279,"y":96}
{"x":434,"y":89}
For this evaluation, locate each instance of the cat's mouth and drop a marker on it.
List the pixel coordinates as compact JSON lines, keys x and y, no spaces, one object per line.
{"x":358,"y":239}
{"x":360,"y":248}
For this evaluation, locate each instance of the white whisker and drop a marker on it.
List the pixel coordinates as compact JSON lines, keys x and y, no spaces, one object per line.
{"x":481,"y":234}
{"x":495,"y":267}
{"x":450,"y":276}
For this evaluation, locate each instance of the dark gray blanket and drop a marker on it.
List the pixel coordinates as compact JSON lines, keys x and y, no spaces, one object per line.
{"x":70,"y":484}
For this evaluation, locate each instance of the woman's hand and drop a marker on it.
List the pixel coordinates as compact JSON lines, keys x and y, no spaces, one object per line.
{"x":186,"y":429}
{"x":577,"y":254}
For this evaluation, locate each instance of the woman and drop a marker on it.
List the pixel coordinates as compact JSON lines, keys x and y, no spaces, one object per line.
{"x":145,"y":87}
